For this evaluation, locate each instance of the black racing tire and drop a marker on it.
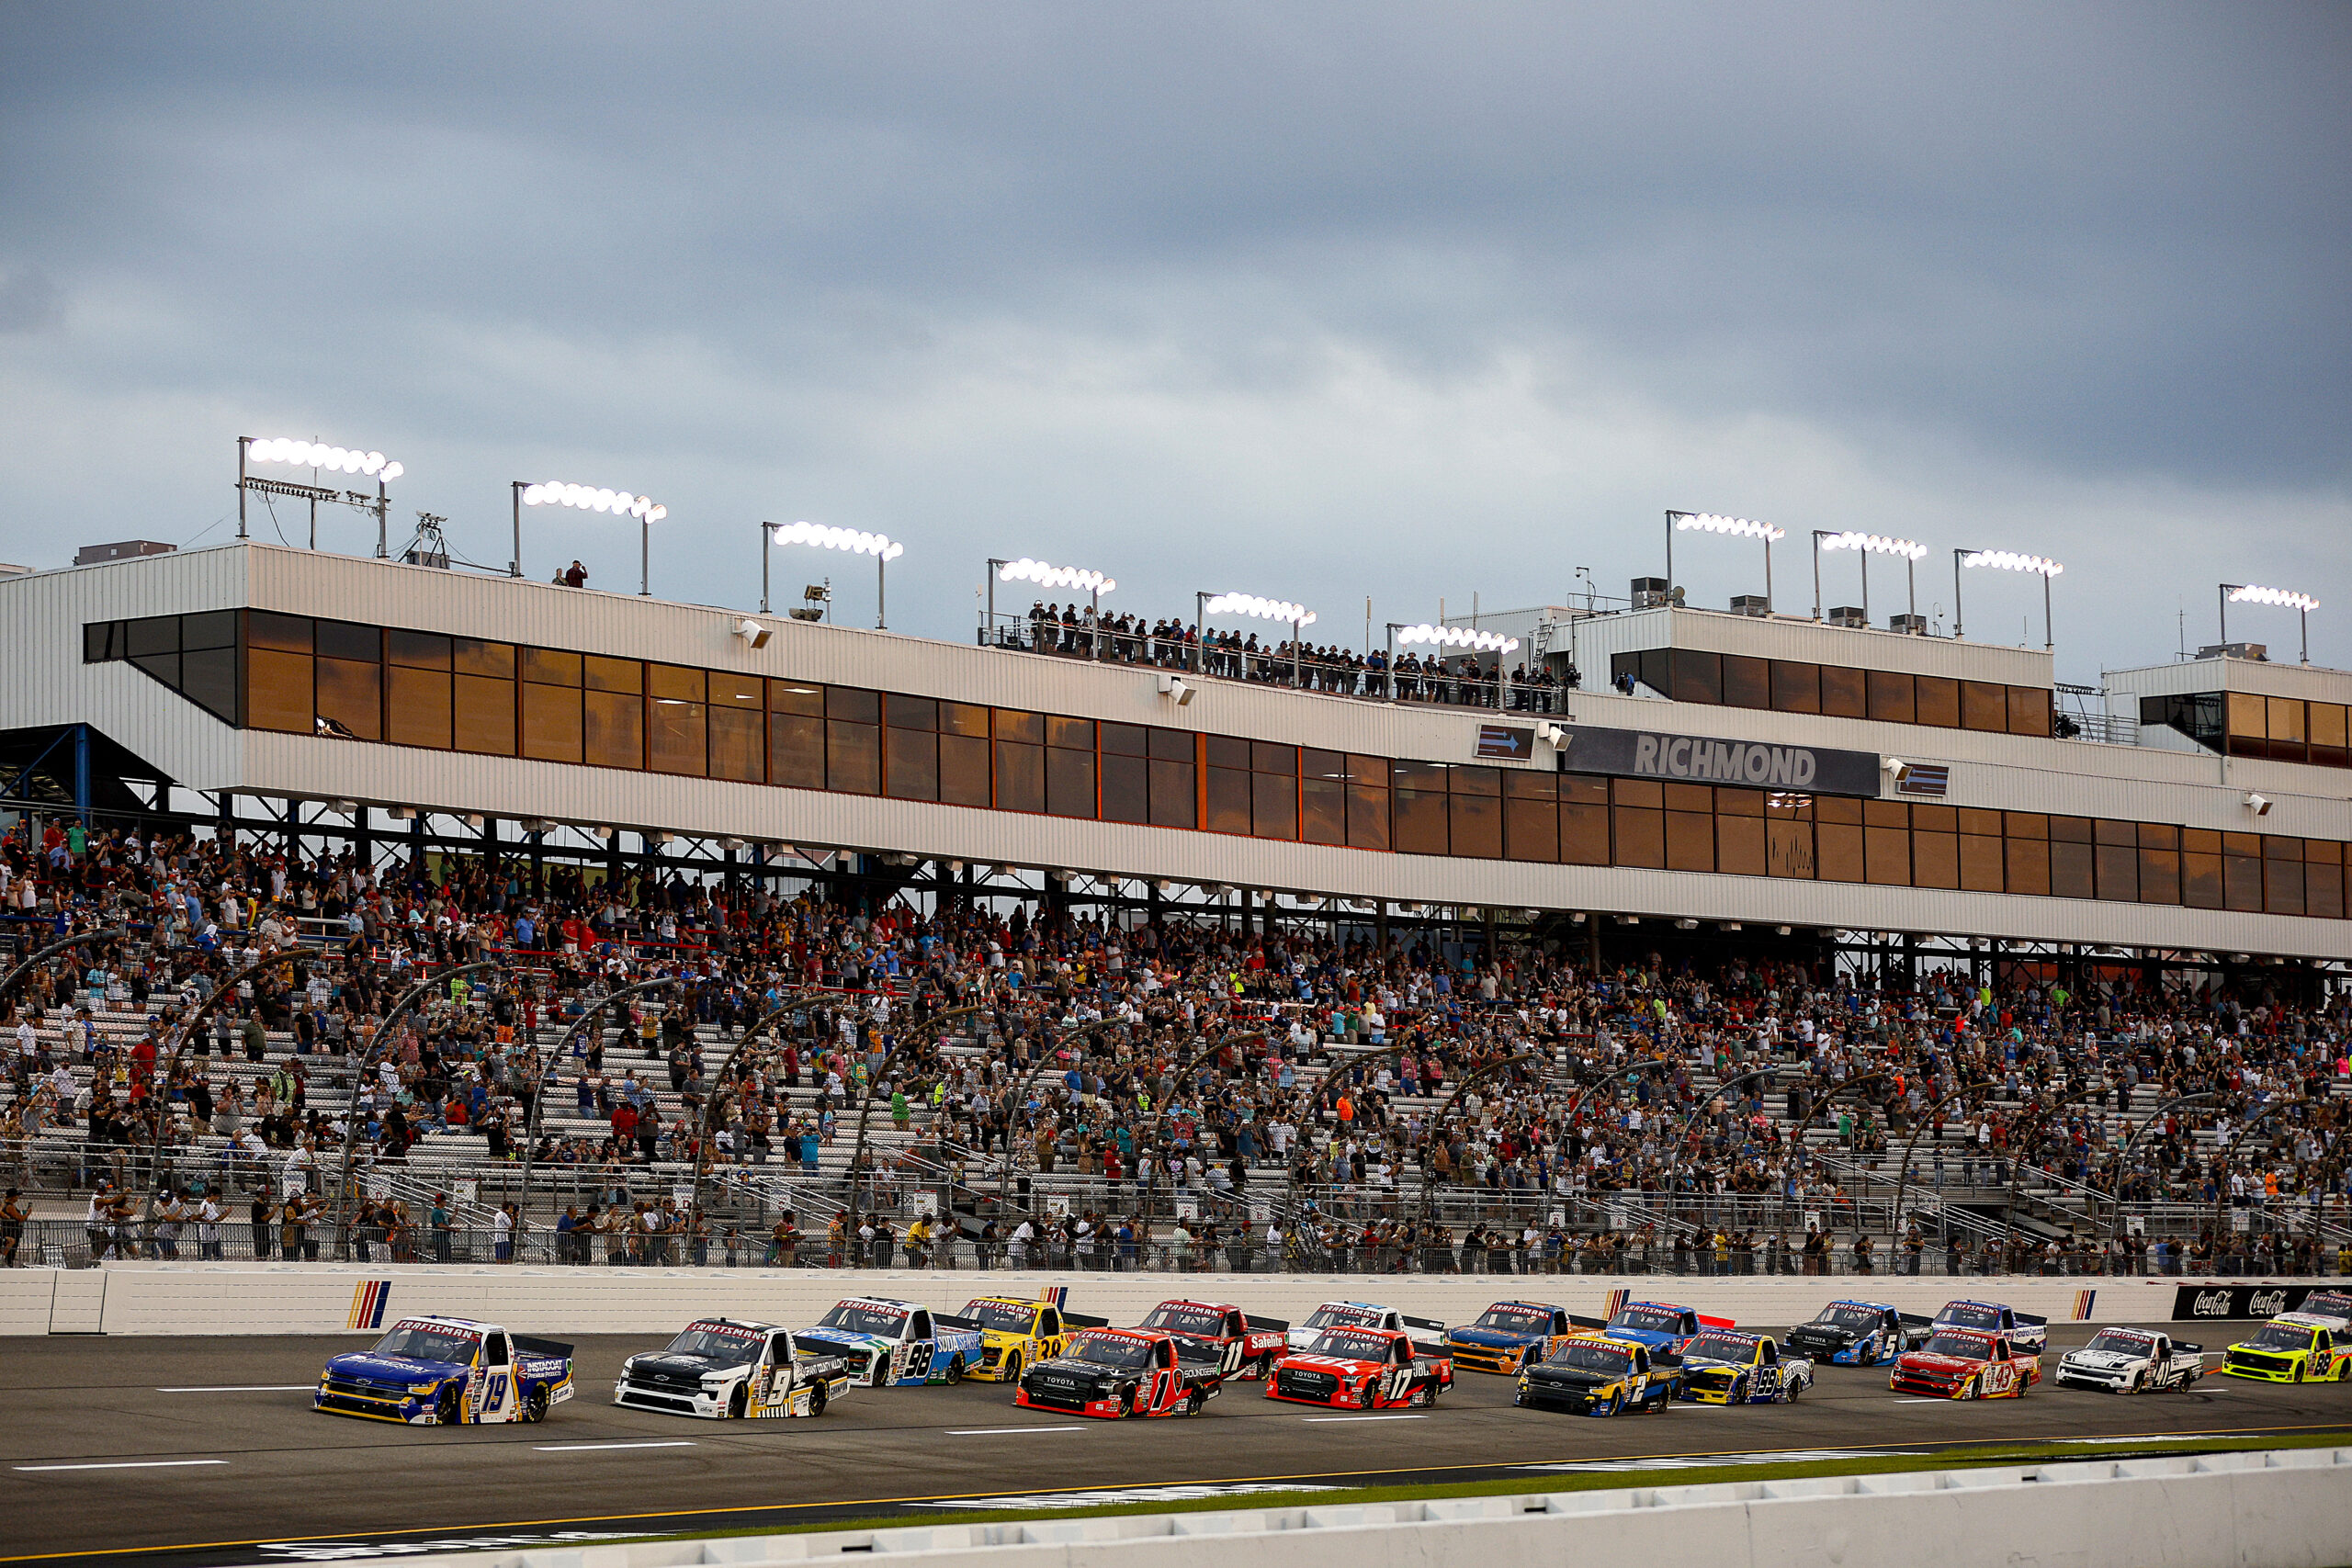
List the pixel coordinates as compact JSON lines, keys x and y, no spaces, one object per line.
{"x":1738,"y":1392}
{"x":1608,"y":1406}
{"x":739,"y":1404}
{"x":955,"y":1371}
{"x":449,"y":1407}
{"x":534,"y":1404}
{"x":1196,"y":1402}
{"x":817,"y":1397}
{"x":1126,"y":1403}
{"x":1012,"y":1372}
{"x":1790,"y":1391}
{"x":1971,"y":1389}
{"x":1424,"y":1396}
{"x":1265,"y":1367}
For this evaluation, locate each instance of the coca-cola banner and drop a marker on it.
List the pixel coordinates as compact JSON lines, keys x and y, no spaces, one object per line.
{"x":2191,"y":1302}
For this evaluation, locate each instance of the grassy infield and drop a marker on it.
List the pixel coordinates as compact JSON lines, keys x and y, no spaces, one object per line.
{"x":1538,"y":1482}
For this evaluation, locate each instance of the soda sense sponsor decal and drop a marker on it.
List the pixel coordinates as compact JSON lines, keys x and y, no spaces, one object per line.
{"x":2192,"y":1302}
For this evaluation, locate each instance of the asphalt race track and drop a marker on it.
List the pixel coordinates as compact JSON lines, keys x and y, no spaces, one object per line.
{"x":200,"y":1451}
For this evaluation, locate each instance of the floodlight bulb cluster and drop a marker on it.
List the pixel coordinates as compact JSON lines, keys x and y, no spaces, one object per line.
{"x":855,"y":541}
{"x":2009,"y":561}
{"x":1263,"y":609}
{"x":1739,"y":528}
{"x":1037,"y":572}
{"x":588,"y":497}
{"x":318,"y":455}
{"x":2285,"y":598}
{"x":1879,"y":544}
{"x":1458,"y":636}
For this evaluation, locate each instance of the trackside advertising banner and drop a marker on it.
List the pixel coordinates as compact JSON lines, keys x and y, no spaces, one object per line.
{"x":2194,"y":1301}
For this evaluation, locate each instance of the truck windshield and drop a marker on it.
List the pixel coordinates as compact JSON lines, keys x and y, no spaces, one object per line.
{"x":1721,"y":1347}
{"x":1177,"y":1318}
{"x":2123,"y":1342}
{"x":1861,"y":1319}
{"x":1965,"y":1314}
{"x":2281,"y":1337}
{"x":1515,"y":1320}
{"x":1648,"y":1319}
{"x":723,"y":1344}
{"x":861,"y":1317}
{"x":1961,"y":1347}
{"x":428,"y":1342}
{"x":1352,"y":1342}
{"x":1590,"y":1356}
{"x":1005,"y":1317}
{"x":1336,"y":1313}
{"x":1106,"y":1351}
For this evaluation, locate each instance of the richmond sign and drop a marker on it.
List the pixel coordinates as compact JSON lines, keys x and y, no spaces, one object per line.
{"x":1706,"y":759}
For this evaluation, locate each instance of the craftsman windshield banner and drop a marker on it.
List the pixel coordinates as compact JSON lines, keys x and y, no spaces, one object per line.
{"x":1703,"y":759}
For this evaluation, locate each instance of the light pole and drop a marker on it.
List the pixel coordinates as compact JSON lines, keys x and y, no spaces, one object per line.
{"x":1866,"y":545}
{"x":315,"y":454}
{"x":584,"y":498}
{"x":1737,"y":528}
{"x":2008,"y":560}
{"x":2284,"y":598}
{"x":1298,"y":617}
{"x":881,"y":546}
{"x":1045,"y":576}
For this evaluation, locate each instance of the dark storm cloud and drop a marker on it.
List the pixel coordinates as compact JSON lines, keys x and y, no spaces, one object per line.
{"x":1233,"y":275}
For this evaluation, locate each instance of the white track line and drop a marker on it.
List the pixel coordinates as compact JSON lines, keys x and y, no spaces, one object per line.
{"x":128,"y":1465}
{"x":1001,"y":1431}
{"x":1363,"y":1418}
{"x":596,"y":1448}
{"x":246,"y":1388}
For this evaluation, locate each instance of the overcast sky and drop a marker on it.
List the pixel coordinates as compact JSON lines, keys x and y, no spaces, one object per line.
{"x":1322,"y":302}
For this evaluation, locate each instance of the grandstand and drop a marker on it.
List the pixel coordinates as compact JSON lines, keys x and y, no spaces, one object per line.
{"x":1241,"y":958}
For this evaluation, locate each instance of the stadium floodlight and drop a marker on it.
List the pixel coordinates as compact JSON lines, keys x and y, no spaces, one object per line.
{"x":856,"y":541}
{"x":589,"y":498}
{"x":2278,"y":598}
{"x":2005,"y":561}
{"x":1045,"y":576}
{"x":320,"y":456}
{"x":1037,"y":572}
{"x":1733,"y":527}
{"x":1458,"y":636}
{"x":1866,"y":545}
{"x":1251,"y":604}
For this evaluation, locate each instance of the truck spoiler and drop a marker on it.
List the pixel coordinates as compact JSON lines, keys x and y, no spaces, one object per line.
{"x":1269,"y":1324}
{"x":1421,"y":1347}
{"x":952,"y":1321}
{"x":1082,"y":1320}
{"x":2185,"y":1345}
{"x":1576,"y":1322}
{"x":1914,"y":1320}
{"x":2027,"y":1317}
{"x":1421,"y":1323}
{"x":539,"y":1347}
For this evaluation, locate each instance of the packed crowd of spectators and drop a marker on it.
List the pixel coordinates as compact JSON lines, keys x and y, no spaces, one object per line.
{"x":1076,"y":631}
{"x":1208,"y":1091}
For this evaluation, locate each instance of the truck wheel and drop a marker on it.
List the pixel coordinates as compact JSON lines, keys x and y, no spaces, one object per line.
{"x":1195,"y":1402}
{"x":1126,"y":1403}
{"x":740,"y":1404}
{"x":1969,"y":1390}
{"x":1265,"y":1367}
{"x":1425,"y":1395}
{"x":816,"y":1399}
{"x":1011,"y":1368}
{"x":1738,"y":1392}
{"x":450,"y":1409}
{"x":956,"y":1372}
{"x":534,"y":1405}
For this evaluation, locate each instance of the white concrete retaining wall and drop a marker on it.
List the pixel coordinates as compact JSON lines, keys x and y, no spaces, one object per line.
{"x":214,"y":1299}
{"x":2288,"y":1508}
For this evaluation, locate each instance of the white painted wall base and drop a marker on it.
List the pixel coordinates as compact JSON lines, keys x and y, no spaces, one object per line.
{"x":230,"y":1298}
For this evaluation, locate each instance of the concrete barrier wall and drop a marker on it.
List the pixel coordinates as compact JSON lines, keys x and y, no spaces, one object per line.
{"x":220,"y":1299}
{"x":2290,"y":1509}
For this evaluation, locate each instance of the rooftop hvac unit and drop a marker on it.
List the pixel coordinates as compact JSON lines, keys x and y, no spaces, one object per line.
{"x":1751,"y":605}
{"x":1649,"y":593}
{"x":2260,"y":651}
{"x":1850,"y":615}
{"x":1909,"y":626}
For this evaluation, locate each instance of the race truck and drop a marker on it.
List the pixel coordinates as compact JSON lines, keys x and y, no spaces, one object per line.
{"x":1357,"y":1314}
{"x":1724,"y":1366}
{"x":2294,"y":1346}
{"x":1858,"y":1334}
{"x":719,"y":1369}
{"x":892,"y":1344}
{"x":1363,"y":1369}
{"x":2023,"y":1330}
{"x":1966,"y":1363}
{"x":1661,"y":1325}
{"x":1596,"y":1374}
{"x":1245,"y":1345}
{"x":2334,"y":1306}
{"x":1111,"y":1372}
{"x":447,"y":1371}
{"x":1017,"y":1333}
{"x":1511,"y":1336}
{"x":2131,"y":1360}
